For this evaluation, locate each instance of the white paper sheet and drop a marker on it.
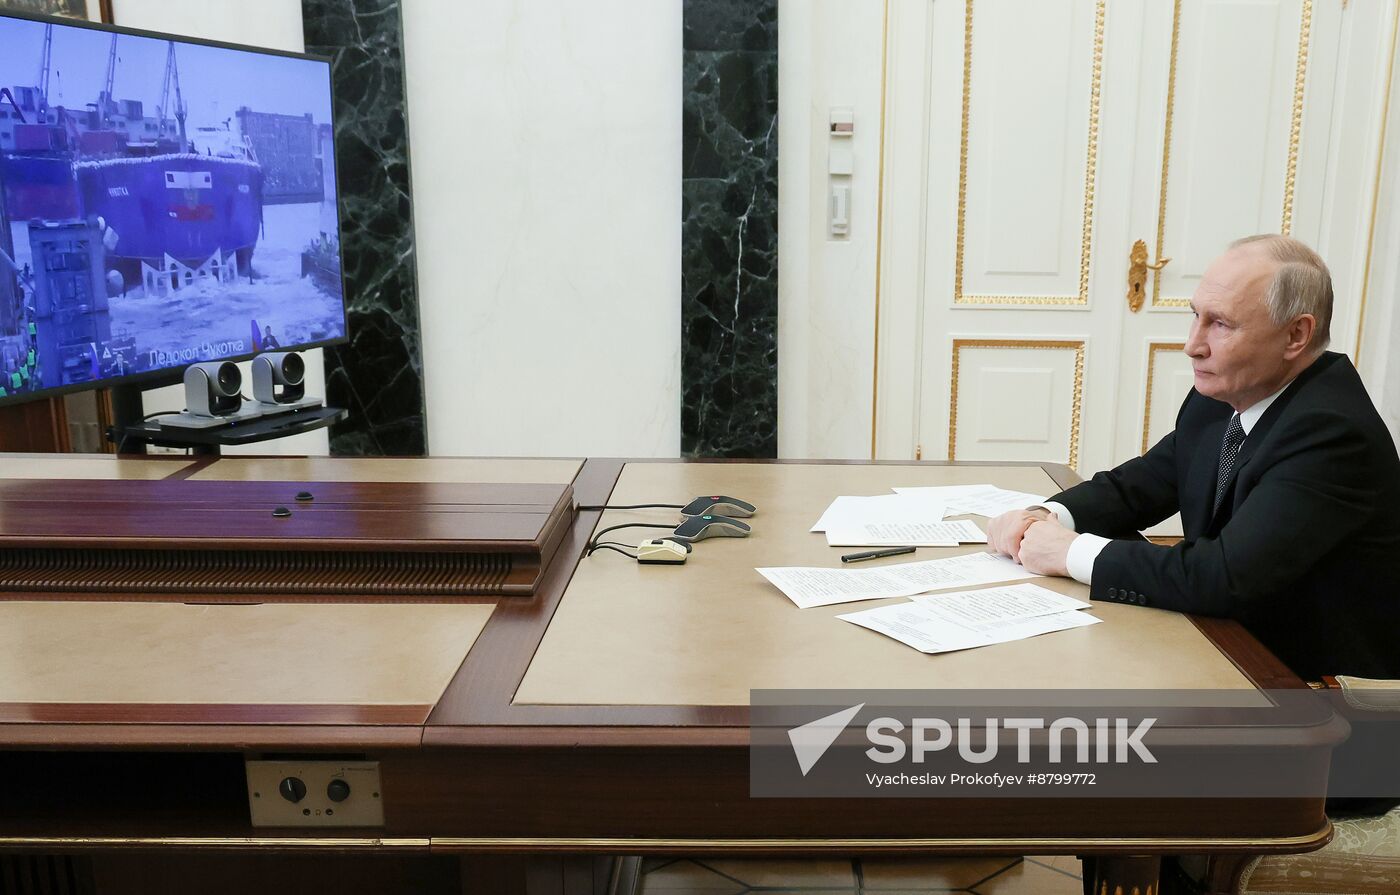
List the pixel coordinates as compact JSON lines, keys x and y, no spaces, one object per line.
{"x":1012,"y":601}
{"x":977,"y":500}
{"x":907,"y":534}
{"x":947,"y":622}
{"x":882,"y":509}
{"x":809,"y":586}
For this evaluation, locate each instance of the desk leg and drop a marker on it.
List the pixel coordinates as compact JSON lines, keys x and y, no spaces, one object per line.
{"x":1126,"y":875}
{"x":1223,"y":875}
{"x":542,"y":874}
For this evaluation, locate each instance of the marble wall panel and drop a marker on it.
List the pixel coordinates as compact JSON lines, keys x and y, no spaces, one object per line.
{"x":729,"y":243}
{"x":378,"y":375}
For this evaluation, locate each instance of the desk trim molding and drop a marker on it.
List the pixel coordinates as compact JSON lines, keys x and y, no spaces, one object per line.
{"x":647,"y":845}
{"x":261,"y":842}
{"x":1018,"y":845}
{"x":478,"y":707}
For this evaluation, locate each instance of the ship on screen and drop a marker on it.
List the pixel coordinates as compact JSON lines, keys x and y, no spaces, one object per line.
{"x":163,"y":203}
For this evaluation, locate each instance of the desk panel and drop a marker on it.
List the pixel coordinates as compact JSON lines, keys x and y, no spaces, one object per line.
{"x":705,"y":633}
{"x":87,"y":466}
{"x":628,"y":727}
{"x":290,"y":654}
{"x":487,"y":470}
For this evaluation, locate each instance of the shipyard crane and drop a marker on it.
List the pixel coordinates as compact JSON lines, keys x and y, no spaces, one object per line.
{"x":45,"y":63}
{"x":172,"y":73}
{"x":106,"y":96}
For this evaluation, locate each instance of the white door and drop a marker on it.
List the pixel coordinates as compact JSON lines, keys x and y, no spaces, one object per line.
{"x":1029,"y":145}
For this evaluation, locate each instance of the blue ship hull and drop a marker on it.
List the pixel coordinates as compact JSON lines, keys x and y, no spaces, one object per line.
{"x":184,"y":205}
{"x":39,"y":186}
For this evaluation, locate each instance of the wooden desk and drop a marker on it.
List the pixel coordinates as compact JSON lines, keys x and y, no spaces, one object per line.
{"x":605,"y":715}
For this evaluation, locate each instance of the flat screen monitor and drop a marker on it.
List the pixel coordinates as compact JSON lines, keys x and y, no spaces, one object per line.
{"x":165,"y":201}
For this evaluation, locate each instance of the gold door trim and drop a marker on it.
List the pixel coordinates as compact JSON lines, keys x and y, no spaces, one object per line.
{"x":1157,"y":300}
{"x":1091,"y":157}
{"x":1294,"y":137}
{"x":1076,"y":400}
{"x":1376,"y":189}
{"x":1152,"y":349}
{"x":1295,"y":131}
{"x":879,"y":229}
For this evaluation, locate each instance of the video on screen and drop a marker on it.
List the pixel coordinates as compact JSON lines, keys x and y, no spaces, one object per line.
{"x":164,"y":203}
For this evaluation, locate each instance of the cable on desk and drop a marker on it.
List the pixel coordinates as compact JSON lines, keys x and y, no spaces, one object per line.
{"x":613,"y":546}
{"x":637,"y":506}
{"x":597,"y":539}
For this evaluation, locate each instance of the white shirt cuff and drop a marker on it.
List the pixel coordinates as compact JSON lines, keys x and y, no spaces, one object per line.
{"x":1062,"y":513}
{"x":1083,"y":550}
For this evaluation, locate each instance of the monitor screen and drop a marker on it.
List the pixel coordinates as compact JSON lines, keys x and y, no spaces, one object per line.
{"x":165,"y":202}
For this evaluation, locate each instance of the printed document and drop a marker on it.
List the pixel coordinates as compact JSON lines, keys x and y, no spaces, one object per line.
{"x":977,"y":500}
{"x":882,"y":509}
{"x":809,"y":586}
{"x":947,"y":622}
{"x":906,"y":534}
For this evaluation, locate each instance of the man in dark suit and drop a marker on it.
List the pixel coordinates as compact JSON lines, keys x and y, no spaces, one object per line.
{"x":1286,"y":479}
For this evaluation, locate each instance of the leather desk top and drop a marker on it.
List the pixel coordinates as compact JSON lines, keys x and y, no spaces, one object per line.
{"x":706,"y":632}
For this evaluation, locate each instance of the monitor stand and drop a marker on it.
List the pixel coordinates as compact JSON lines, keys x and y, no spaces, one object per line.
{"x":131,"y":431}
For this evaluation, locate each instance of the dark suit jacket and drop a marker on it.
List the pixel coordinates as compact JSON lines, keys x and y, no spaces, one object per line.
{"x":1305,"y":549}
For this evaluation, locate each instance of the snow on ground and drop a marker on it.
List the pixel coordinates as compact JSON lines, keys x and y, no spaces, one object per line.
{"x":209,"y":319}
{"x":219,"y":315}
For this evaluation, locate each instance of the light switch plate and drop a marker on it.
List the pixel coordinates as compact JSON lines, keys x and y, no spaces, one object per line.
{"x":363,"y":807}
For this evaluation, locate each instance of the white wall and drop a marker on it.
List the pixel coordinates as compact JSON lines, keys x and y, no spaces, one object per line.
{"x":546,"y":154}
{"x":262,"y":23}
{"x":1380,"y":338}
{"x":829,"y":55}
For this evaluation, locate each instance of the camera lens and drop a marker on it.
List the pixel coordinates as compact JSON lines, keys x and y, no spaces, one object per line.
{"x":230,"y":380}
{"x":293,"y":369}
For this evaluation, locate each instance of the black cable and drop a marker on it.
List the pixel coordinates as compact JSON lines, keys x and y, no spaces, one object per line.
{"x":638,"y":506}
{"x":604,"y":531}
{"x":159,"y":413}
{"x":598,"y":538}
{"x":610,"y":545}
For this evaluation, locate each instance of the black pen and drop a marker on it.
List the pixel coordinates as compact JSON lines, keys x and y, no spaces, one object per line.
{"x":877,"y":554}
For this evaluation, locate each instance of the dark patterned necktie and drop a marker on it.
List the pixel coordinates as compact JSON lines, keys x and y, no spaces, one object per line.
{"x":1229,"y":452}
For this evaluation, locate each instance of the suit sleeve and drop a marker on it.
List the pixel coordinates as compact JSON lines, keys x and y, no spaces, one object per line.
{"x":1314,"y":495}
{"x":1121,"y":502}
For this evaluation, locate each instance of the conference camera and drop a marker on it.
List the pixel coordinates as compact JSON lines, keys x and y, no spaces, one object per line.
{"x":279,"y":377}
{"x":213,"y":388}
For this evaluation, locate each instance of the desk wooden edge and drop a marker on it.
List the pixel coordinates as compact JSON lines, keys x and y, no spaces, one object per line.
{"x":478,"y":703}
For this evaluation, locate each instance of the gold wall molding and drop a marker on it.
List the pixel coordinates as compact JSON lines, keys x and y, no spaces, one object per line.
{"x":1376,"y":189}
{"x":1295,"y":132}
{"x":1157,"y":300}
{"x":1152,"y":350}
{"x":1091,"y":156}
{"x":879,"y":227}
{"x":1076,"y":398}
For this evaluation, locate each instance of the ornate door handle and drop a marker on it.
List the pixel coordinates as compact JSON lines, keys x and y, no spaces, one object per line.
{"x":1137,"y":274}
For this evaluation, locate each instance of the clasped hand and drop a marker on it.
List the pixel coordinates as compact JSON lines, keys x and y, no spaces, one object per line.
{"x":1034,"y":538}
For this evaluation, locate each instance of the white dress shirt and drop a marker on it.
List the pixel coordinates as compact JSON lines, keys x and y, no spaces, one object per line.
{"x":1084,"y":549}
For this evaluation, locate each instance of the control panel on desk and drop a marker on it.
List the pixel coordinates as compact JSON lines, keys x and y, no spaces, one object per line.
{"x":315,"y":794}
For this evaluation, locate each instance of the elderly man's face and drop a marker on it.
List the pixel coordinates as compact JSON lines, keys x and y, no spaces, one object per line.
{"x":1237,"y":352}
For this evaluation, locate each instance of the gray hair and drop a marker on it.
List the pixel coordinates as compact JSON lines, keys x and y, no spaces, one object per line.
{"x":1301,"y":285}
